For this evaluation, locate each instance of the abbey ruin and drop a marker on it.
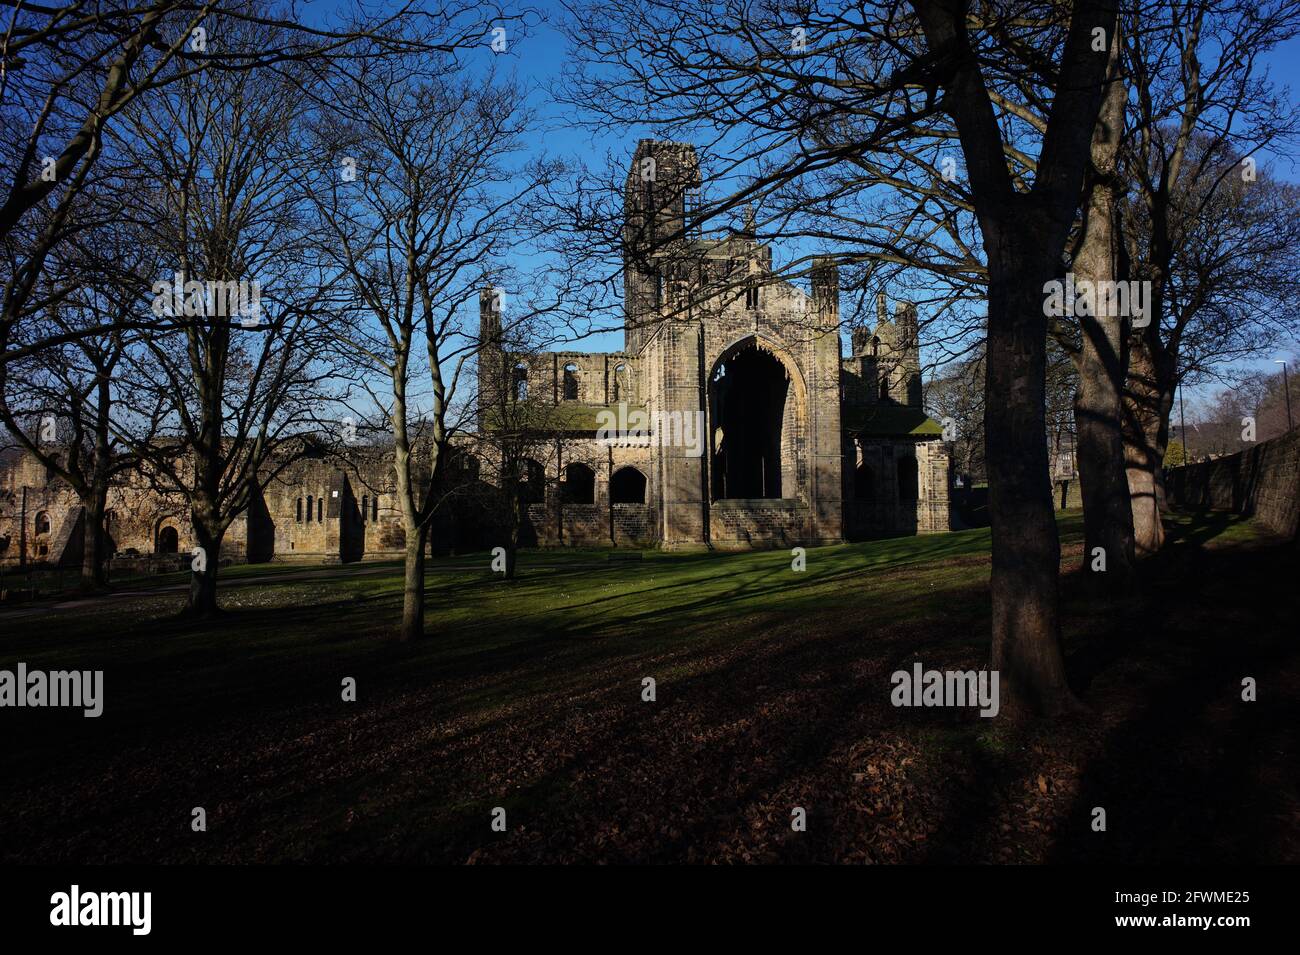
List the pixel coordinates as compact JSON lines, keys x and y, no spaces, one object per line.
{"x":778,"y":438}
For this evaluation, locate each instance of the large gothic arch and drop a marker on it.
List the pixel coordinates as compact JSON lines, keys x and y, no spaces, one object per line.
{"x":757,"y":422}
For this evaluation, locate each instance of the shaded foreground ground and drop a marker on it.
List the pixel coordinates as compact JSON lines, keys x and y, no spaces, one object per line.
{"x":772,"y":692}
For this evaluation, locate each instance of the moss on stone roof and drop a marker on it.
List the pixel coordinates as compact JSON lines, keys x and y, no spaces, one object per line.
{"x":568,"y":416}
{"x":891,"y":421}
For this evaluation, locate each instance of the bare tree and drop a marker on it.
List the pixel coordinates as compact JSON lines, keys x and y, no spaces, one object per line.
{"x":1205,"y":106}
{"x":241,"y":376}
{"x":62,"y":404}
{"x":68,"y":72}
{"x":417,"y":221}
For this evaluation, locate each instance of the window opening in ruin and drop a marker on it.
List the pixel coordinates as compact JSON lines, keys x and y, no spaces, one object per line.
{"x":747,"y":407}
{"x":627,"y":486}
{"x":579,"y":484}
{"x":532,"y":481}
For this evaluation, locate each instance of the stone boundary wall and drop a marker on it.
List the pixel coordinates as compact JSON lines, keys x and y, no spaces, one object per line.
{"x":1261,"y":482}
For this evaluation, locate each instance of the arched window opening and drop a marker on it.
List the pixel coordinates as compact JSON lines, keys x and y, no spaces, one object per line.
{"x":579,"y":484}
{"x":907,"y":480}
{"x":570,"y":389}
{"x":619,"y":390}
{"x":297,"y":513}
{"x":627,"y":486}
{"x":365,"y":508}
{"x":320,"y":510}
{"x":532,"y":481}
{"x":374,"y":508}
{"x":748,"y":411}
{"x":310,"y":501}
{"x":42,"y":523}
{"x":462,"y":467}
{"x":520,"y":385}
{"x":168,"y":540}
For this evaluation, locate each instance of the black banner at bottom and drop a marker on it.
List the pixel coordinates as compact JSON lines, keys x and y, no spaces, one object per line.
{"x":301,"y":904}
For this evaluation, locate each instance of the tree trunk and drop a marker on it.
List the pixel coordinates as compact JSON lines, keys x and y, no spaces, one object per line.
{"x":93,"y":553}
{"x":203,"y":583}
{"x":1148,"y":401}
{"x":413,"y":591}
{"x":1102,"y":359}
{"x":1026,"y":548}
{"x":1108,"y":515}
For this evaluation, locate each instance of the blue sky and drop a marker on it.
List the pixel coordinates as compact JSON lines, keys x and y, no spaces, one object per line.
{"x":539,"y":58}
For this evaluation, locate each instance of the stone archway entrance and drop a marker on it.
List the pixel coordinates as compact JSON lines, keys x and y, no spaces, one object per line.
{"x":168,"y":540}
{"x":754,"y":413}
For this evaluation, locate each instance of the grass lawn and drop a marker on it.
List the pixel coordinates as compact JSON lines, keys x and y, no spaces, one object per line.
{"x":772,"y":692}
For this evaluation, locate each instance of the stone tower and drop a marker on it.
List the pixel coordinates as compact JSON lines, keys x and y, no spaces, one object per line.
{"x":661,"y":190}
{"x":888,"y":359}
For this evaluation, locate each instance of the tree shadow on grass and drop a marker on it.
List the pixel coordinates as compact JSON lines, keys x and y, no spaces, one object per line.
{"x":1187,"y":771}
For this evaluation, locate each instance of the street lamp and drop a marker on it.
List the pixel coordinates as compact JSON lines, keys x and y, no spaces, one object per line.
{"x":1286,"y":385}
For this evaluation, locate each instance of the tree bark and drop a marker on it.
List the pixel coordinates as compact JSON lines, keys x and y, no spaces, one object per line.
{"x":1101,"y":362}
{"x":413,"y":589}
{"x":1026,"y":547}
{"x":95,"y":537}
{"x":203,"y":584}
{"x":1148,"y":400}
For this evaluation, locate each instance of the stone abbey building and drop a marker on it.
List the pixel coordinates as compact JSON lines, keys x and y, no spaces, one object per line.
{"x":730,"y":419}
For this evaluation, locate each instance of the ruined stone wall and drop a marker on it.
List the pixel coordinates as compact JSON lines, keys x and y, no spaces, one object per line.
{"x":675,"y":361}
{"x":313,"y":509}
{"x":875,"y":501}
{"x":783,"y":321}
{"x":321,"y":511}
{"x":933,"y":508}
{"x":1262,"y":482}
{"x":760,"y":522}
{"x":42,"y":522}
{"x":563,"y":514}
{"x":601,"y":378}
